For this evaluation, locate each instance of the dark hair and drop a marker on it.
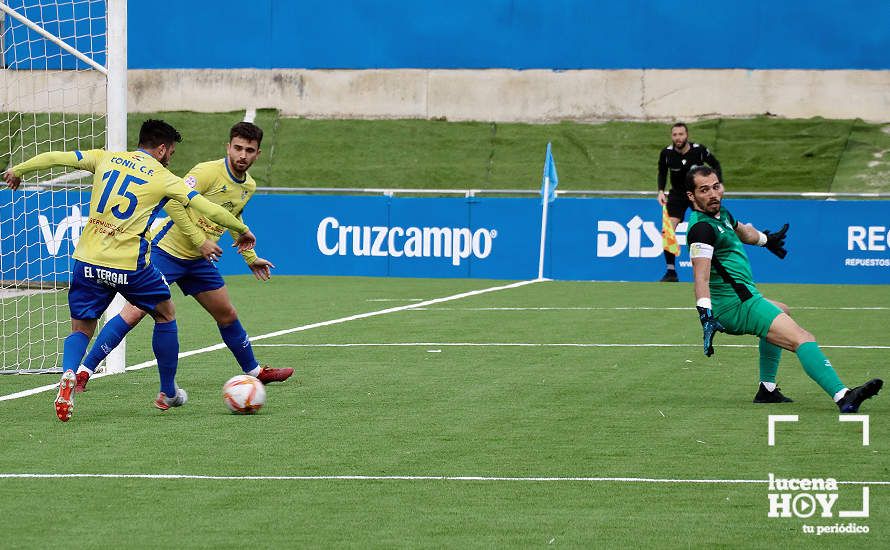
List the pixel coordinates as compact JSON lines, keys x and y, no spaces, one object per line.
{"x":680,"y":125}
{"x":248,"y":131}
{"x":697,"y":170}
{"x":157,"y":132}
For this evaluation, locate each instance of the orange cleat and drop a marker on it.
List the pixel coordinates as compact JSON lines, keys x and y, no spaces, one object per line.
{"x":268,"y":374}
{"x":82,"y":378}
{"x":65,"y":398}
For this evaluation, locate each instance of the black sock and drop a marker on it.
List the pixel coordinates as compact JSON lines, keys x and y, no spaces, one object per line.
{"x":670,"y":260}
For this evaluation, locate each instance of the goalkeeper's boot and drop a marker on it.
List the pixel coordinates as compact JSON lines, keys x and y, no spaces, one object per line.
{"x":670,"y":276}
{"x":268,"y":374}
{"x":766,"y":396}
{"x":82,"y":378}
{"x":163,"y":402}
{"x":850,"y":402}
{"x":65,"y":397}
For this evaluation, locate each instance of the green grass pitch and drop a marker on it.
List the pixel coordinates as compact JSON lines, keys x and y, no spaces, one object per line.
{"x":505,"y":384}
{"x":757,"y":154}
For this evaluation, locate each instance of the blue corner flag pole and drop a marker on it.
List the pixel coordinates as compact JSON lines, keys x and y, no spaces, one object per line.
{"x":548,"y":194}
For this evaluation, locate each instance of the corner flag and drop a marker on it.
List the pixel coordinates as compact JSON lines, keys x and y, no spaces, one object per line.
{"x":550,"y":179}
{"x":668,"y":237}
{"x":548,"y":195}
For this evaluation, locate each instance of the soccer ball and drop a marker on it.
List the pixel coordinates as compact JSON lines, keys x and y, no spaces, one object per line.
{"x":244,"y":394}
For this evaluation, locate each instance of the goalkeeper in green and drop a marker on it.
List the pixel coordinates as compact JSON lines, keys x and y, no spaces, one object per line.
{"x":728,"y":301}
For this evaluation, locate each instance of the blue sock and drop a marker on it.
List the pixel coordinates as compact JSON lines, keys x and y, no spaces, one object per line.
{"x":109,"y":338}
{"x":235,"y":337}
{"x":165,"y":343}
{"x":75,"y":346}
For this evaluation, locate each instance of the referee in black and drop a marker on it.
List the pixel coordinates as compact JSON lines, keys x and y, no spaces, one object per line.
{"x":677,"y":158}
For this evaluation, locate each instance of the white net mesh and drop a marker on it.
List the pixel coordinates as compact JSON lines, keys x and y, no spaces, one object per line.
{"x":51,"y":101}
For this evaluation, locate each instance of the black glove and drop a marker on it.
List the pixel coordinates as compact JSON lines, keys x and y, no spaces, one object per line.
{"x":711,"y":326}
{"x":775,"y":242}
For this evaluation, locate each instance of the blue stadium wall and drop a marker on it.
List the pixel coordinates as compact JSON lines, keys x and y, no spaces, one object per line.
{"x":514,"y":34}
{"x":478,"y":34}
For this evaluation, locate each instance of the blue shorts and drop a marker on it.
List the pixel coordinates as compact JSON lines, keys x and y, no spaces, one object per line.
{"x":192,"y":276}
{"x":93,"y":287}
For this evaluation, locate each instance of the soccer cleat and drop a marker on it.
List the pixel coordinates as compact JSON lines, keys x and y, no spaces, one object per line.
{"x":766,"y":396}
{"x":850,"y":402}
{"x":82,"y":378}
{"x":163,"y":402}
{"x":65,"y":398}
{"x":268,"y":374}
{"x":670,"y":276}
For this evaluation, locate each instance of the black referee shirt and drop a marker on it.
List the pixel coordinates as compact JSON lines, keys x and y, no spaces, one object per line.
{"x":678,"y":165}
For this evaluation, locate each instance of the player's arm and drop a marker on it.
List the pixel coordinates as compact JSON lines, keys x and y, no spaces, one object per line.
{"x":662,"y":176}
{"x":208,"y":248}
{"x":177,"y":190}
{"x":772,"y":241}
{"x":701,"y":238}
{"x":185,"y":224}
{"x":748,"y":234}
{"x":72,"y":159}
{"x":261,"y":268}
{"x":250,"y":256}
{"x":217,"y":214}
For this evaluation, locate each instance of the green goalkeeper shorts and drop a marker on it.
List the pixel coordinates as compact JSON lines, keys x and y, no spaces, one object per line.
{"x":753,"y":316}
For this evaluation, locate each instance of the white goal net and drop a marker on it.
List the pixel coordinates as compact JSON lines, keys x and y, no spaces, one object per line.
{"x":55,"y":87}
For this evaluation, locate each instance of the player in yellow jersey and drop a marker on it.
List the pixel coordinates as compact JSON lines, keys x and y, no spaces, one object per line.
{"x":112,"y":255}
{"x":184,"y":247}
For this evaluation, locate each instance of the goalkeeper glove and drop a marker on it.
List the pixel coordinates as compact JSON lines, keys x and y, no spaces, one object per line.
{"x":775,"y":242}
{"x":710,"y":325}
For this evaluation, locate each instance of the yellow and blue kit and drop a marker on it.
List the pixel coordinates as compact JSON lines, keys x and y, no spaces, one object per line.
{"x":187,"y":229}
{"x":175,"y":243}
{"x":129,"y":190}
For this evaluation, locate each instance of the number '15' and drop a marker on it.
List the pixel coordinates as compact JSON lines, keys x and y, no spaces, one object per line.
{"x":110,"y":178}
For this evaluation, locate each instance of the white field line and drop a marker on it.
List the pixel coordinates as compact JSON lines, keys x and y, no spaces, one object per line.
{"x":528,"y":345}
{"x":634,"y":308}
{"x":411,"y":478}
{"x":146,"y":364}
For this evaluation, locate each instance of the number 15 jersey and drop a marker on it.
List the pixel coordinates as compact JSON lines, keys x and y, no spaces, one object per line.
{"x":129,"y":190}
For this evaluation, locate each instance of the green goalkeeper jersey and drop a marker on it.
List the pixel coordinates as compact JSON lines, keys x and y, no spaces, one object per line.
{"x":731,"y":279}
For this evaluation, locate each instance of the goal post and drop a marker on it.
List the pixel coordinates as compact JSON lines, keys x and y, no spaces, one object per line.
{"x":116,"y":132}
{"x":63,"y":86}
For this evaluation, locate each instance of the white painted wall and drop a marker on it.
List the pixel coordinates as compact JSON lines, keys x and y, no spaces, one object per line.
{"x":490,"y":95}
{"x":52,"y":91}
{"x":519,"y":96}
